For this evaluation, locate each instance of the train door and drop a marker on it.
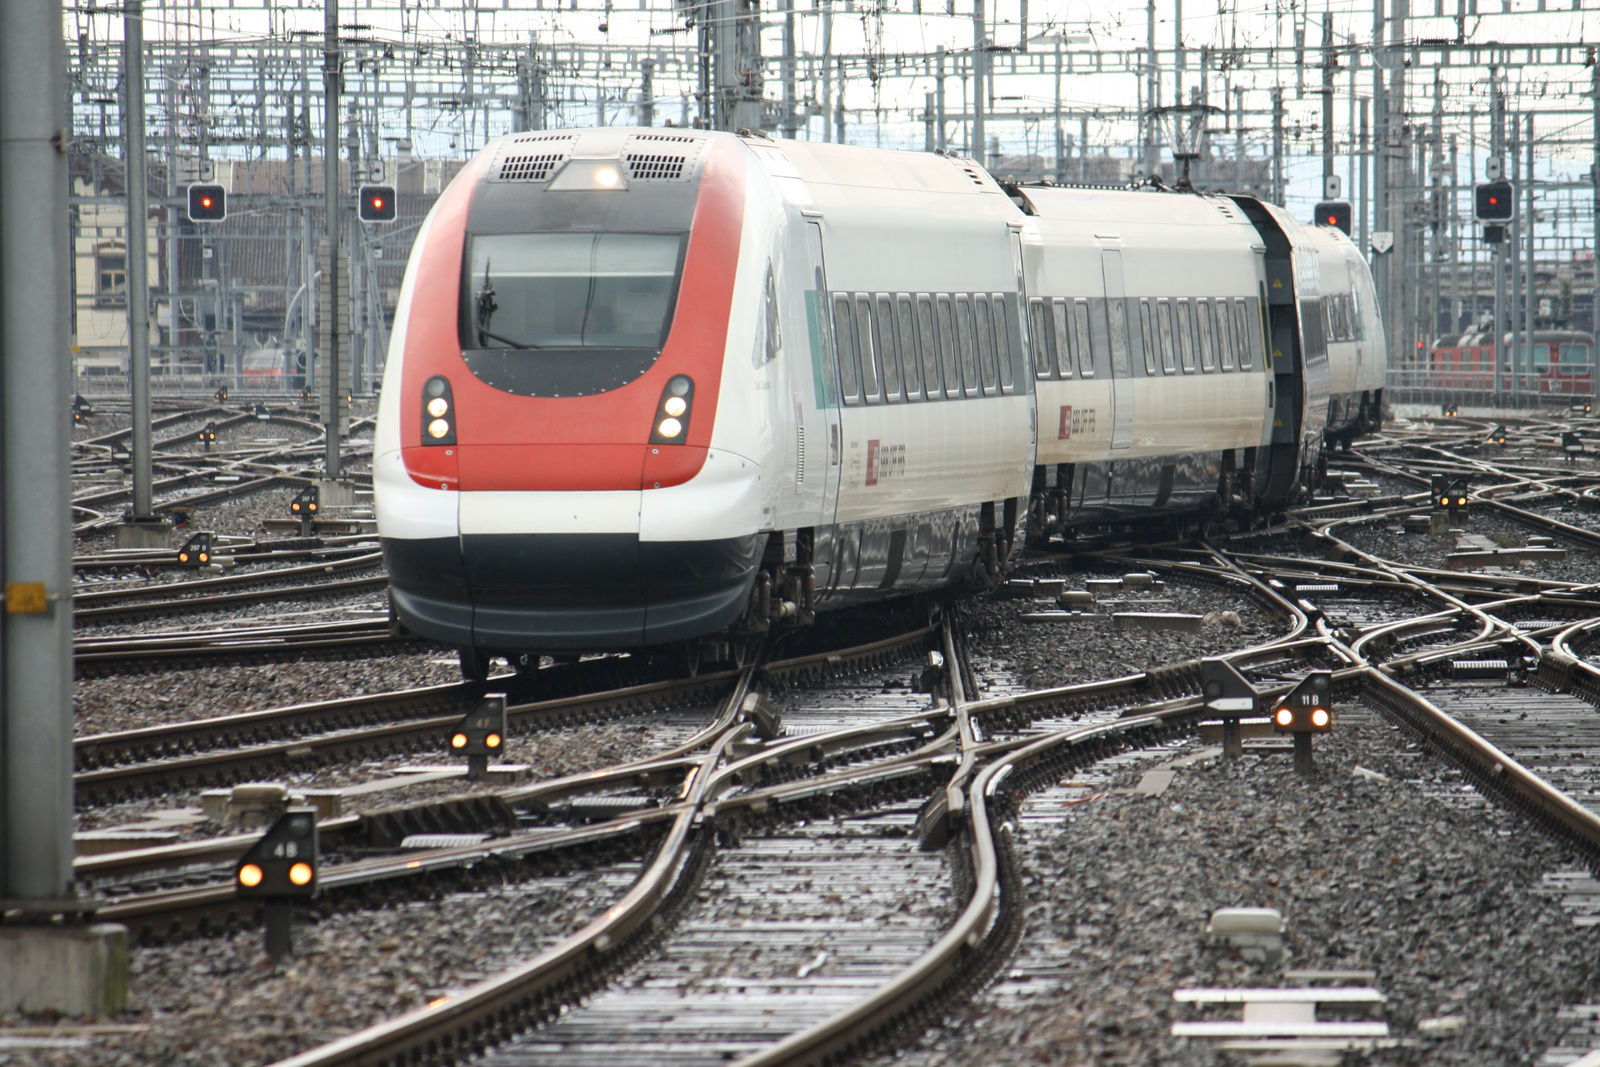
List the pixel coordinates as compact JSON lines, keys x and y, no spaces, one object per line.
{"x":1121,"y":365}
{"x":825,"y":375}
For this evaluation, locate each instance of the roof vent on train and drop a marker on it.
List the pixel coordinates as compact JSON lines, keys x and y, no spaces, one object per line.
{"x":661,"y":157}
{"x":530,"y":157}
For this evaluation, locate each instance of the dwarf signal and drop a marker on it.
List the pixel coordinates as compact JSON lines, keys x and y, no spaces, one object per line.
{"x":481,"y":734}
{"x":280,"y":868}
{"x":196,"y":552}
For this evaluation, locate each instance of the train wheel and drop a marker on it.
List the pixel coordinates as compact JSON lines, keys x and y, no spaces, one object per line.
{"x":474,"y":665}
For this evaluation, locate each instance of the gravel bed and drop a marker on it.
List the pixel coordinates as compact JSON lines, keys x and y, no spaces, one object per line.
{"x":1387,"y":540}
{"x":548,"y":754}
{"x":219,"y":1002}
{"x":1044,"y":655}
{"x":134,"y":701}
{"x":1439,"y":897}
{"x":351,"y":604}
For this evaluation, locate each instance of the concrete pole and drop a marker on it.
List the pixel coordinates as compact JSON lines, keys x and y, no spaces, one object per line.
{"x":35,"y":479}
{"x":1380,"y":166}
{"x":791,"y":126}
{"x":138,"y":255}
{"x":1594,"y":174}
{"x":1061,"y":145}
{"x":1365,"y":170}
{"x":1328,"y":60}
{"x":1277,"y":145}
{"x":647,"y":94}
{"x":330,"y":200}
{"x":1530,"y":305}
{"x":1513,"y":247}
{"x":980,"y":74}
{"x":942,"y":140}
{"x":827,"y":73}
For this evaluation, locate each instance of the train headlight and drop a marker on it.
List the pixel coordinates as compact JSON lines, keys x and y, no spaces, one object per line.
{"x":607,"y":177}
{"x":438,"y":412}
{"x":671,"y":426}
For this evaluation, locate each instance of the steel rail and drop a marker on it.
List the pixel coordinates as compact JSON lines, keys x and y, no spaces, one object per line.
{"x":88,"y":600}
{"x":224,"y":601}
{"x":499,"y":1006}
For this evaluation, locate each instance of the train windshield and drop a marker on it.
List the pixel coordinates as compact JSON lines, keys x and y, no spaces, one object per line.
{"x":567,"y":314}
{"x":572,"y":290}
{"x":1574,"y":357}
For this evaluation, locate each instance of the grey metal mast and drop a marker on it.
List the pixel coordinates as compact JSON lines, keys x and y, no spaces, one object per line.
{"x":35,"y":461}
{"x":330,"y":194}
{"x":138,"y":263}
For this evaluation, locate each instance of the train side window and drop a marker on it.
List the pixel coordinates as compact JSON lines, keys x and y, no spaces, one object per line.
{"x":888,"y":351}
{"x":1169,"y":362}
{"x":1185,"y":336}
{"x":910,"y":362}
{"x":1145,"y":334}
{"x":930,"y":346}
{"x":948,"y":352}
{"x":1117,"y":318}
{"x":1080,"y":321}
{"x":870,"y":391}
{"x":1004,"y":326}
{"x":1063,"y":336}
{"x":969,"y":351}
{"x":1044,"y":339}
{"x":1225,"y":347}
{"x":1241,"y":323}
{"x":984,"y":327}
{"x":844,"y":347}
{"x":1208,"y":344}
{"x":1358,"y":331}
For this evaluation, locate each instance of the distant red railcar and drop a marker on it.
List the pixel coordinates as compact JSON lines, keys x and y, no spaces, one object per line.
{"x":1562,"y":367}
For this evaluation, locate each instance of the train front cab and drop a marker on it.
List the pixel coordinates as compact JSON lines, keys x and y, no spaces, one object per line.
{"x":544,"y":469}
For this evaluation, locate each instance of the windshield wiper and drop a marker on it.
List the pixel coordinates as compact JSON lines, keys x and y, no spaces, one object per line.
{"x":486,"y":309}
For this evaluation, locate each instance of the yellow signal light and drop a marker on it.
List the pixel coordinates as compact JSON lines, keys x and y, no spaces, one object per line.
{"x":1461,"y":501}
{"x":1284,"y":716}
{"x":183,"y":557}
{"x":458,"y":741}
{"x":1319,"y":717}
{"x":493,"y":740}
{"x":204,"y":557}
{"x":312,"y":506}
{"x":250,"y":875}
{"x":300,"y":874}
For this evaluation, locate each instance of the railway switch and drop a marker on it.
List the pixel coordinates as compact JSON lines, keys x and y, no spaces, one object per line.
{"x":1230,"y":696}
{"x":208,"y":435}
{"x":304,"y":507}
{"x":279,"y":869}
{"x":196,"y":552}
{"x":1307,"y":710}
{"x":481,"y":734}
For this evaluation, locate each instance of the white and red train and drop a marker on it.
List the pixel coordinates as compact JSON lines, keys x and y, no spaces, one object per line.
{"x":650,"y":387}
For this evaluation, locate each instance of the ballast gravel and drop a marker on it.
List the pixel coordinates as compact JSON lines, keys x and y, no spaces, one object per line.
{"x":1409,"y":875}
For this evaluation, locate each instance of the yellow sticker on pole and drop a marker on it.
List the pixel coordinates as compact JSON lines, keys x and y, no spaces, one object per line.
{"x":26,"y":598}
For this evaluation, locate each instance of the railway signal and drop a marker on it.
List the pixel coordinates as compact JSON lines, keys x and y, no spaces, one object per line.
{"x":1497,"y":436}
{"x":377,"y":203}
{"x":1571,"y":444}
{"x":221,"y":394}
{"x":80,"y":408}
{"x":1451,"y":410}
{"x":1449,"y":493}
{"x":304,"y":507}
{"x":207,"y":203}
{"x":196,"y":552}
{"x":1335,"y":213}
{"x":481,"y":734}
{"x":1307,"y":710}
{"x":279,"y":869}
{"x":1230,"y":696}
{"x":1495,"y":201}
{"x":208,"y":435}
